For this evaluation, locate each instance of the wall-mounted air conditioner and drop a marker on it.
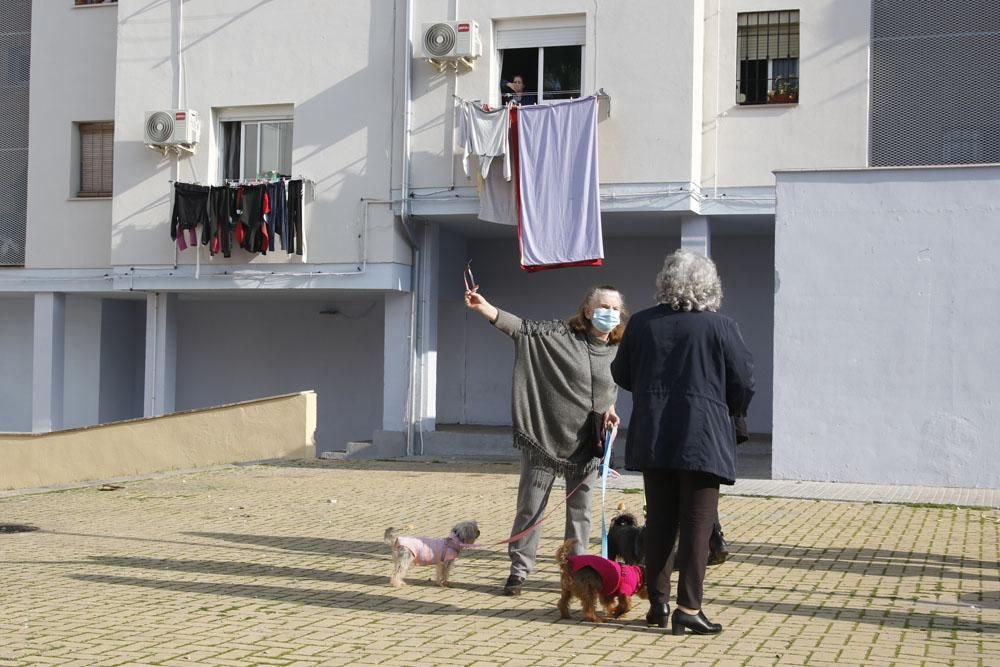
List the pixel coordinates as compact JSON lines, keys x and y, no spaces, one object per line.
{"x":450,"y":41}
{"x":172,"y":127}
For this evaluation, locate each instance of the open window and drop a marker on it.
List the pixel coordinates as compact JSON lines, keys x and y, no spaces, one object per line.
{"x":256,"y":147}
{"x":542,"y":63}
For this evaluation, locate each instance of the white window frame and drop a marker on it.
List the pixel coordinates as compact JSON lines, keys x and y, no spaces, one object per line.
{"x":539,"y":34}
{"x":265,"y":114}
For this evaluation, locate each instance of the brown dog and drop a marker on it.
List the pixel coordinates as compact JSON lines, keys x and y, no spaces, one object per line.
{"x":593,"y":579}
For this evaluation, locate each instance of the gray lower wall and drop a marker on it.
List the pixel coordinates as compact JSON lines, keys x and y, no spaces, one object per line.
{"x":16,"y":335}
{"x":245,"y":348}
{"x":886,"y":322}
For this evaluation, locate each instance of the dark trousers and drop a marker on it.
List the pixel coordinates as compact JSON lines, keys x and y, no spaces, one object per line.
{"x":685,"y":502}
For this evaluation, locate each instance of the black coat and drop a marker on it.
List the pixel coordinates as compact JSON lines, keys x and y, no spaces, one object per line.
{"x":689,"y":373}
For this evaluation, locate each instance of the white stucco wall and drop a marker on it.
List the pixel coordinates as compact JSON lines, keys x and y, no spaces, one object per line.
{"x":886,"y":316}
{"x":16,"y":332}
{"x":72,"y":81}
{"x":330,"y":62}
{"x":476,"y":361}
{"x":828,"y":126}
{"x":241,"y":349}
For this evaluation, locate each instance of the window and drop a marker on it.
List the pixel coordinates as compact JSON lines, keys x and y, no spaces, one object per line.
{"x":18,"y":65}
{"x":548,"y":60}
{"x":78,"y":3}
{"x":767,"y":45}
{"x":256,"y":148}
{"x":97,"y":141}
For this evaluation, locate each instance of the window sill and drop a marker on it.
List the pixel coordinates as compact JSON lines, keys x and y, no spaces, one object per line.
{"x":95,"y":198}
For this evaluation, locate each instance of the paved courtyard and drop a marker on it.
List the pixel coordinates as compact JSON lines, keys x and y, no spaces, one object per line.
{"x":285,"y":565}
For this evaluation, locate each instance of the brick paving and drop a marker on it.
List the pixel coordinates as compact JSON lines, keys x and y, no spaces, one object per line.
{"x":284,"y":565}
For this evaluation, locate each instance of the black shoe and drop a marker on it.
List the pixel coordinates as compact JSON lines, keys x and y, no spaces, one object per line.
{"x":513,"y":585}
{"x":696,"y":623}
{"x":658,"y":614}
{"x":718,"y":550}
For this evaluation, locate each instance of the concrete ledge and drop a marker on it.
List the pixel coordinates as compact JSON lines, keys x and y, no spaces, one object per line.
{"x":270,"y":428}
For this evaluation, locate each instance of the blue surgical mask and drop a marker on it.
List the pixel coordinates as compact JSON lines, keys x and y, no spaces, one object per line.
{"x":605,"y":319}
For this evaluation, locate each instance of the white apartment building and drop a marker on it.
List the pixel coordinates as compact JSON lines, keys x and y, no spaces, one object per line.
{"x":800,"y":145}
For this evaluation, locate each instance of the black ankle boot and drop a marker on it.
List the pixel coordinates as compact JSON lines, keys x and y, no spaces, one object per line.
{"x":658,"y":614}
{"x":718,"y":549}
{"x":696,"y":623}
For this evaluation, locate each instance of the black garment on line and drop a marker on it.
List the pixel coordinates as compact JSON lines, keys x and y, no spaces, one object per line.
{"x":222,"y":207}
{"x":253,"y":218}
{"x":294,"y":215}
{"x":190,"y":207}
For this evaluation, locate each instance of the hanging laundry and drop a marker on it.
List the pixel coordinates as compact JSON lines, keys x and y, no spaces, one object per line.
{"x":558,"y":189}
{"x":251,"y":214}
{"x":498,"y":199}
{"x":190,"y":210}
{"x":484,"y":134}
{"x":294,"y":213}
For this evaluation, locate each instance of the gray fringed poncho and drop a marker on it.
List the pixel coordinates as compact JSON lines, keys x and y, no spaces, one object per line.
{"x":562,"y":384}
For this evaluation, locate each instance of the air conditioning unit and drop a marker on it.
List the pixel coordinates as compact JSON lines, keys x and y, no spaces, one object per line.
{"x":172,"y":127}
{"x":450,"y":40}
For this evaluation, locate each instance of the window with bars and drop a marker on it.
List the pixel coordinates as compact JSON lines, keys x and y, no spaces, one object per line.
{"x":97,"y":142}
{"x":767,"y":47}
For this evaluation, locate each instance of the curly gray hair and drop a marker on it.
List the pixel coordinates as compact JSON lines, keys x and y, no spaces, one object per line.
{"x":689,"y":281}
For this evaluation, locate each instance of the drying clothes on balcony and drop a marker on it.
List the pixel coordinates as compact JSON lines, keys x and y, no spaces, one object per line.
{"x":559,"y":207}
{"x":251,"y":215}
{"x":190,"y":210}
{"x":497,"y":199}
{"x":484,"y":134}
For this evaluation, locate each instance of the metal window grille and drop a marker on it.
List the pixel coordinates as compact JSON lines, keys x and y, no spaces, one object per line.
{"x":15,"y":59}
{"x":97,"y":142}
{"x":935,"y":73}
{"x":767,"y":46}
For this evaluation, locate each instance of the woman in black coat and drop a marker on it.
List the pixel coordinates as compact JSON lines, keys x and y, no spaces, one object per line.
{"x":689,"y":372}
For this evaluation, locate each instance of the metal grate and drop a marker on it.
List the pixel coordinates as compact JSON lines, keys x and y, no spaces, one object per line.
{"x":15,"y":67}
{"x":934,"y":82}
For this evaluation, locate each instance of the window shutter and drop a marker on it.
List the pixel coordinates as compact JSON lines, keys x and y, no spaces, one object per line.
{"x":526,"y":38}
{"x":97,"y":143}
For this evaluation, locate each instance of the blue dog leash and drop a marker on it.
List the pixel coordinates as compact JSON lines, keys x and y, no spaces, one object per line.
{"x":609,"y":441}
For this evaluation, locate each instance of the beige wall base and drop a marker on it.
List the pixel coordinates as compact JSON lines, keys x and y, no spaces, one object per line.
{"x":271,"y":428}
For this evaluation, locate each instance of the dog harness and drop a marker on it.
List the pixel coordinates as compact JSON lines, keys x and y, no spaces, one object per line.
{"x":430,"y":550}
{"x":617,"y":579}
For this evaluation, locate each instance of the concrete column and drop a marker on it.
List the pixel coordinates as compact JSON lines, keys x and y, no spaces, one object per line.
{"x":430,"y":289}
{"x":696,"y":235}
{"x":49,"y":345}
{"x":396,"y":361}
{"x":161,"y":354}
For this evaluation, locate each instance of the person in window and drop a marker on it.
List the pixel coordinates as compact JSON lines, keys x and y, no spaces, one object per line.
{"x":563,"y":398}
{"x":690,"y":374}
{"x":513,"y":91}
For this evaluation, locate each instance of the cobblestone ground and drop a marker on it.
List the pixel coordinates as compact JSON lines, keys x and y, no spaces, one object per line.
{"x":285,"y":565}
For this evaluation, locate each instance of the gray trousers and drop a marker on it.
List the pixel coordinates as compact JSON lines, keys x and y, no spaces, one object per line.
{"x":532,"y":497}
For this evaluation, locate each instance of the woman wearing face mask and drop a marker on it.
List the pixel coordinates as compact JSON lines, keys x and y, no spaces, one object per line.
{"x":563,"y":398}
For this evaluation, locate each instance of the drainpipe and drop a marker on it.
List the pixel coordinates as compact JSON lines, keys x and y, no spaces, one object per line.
{"x":415,"y":240}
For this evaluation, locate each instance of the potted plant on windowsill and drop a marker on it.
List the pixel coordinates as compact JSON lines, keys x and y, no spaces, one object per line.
{"x":786,"y":91}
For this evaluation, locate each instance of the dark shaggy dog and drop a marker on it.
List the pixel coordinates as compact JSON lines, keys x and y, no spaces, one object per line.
{"x":626,"y":542}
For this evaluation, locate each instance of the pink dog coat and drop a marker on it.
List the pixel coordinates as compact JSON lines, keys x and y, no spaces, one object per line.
{"x":431,"y":550}
{"x":617,"y":579}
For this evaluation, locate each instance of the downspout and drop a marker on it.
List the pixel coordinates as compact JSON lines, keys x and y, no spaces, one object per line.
{"x":404,"y":210}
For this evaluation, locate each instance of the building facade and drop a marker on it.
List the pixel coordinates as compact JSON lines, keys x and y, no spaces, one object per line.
{"x":107,"y":319}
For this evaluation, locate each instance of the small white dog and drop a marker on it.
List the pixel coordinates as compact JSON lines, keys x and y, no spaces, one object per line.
{"x":441,"y":551}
